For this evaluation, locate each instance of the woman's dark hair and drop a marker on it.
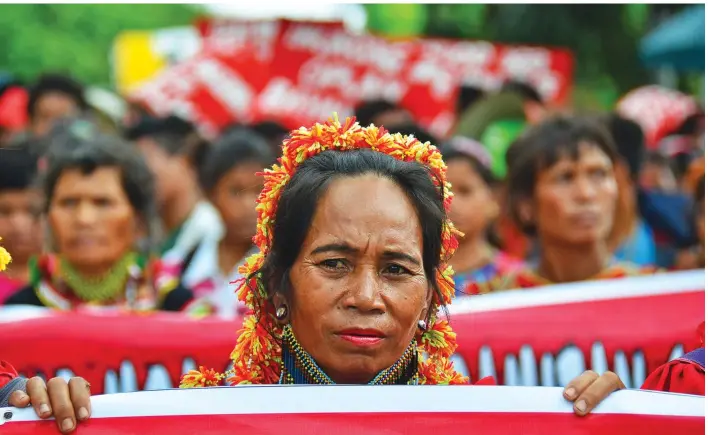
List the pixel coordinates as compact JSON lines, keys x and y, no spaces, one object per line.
{"x":467,"y":96}
{"x":271,"y":130}
{"x":93,"y":151}
{"x":233,"y":148}
{"x":300,"y":197}
{"x":18,"y":169}
{"x":542,"y":146}
{"x":55,"y":83}
{"x":367,"y":111}
{"x":629,"y":140}
{"x":449,"y":154}
{"x":176,"y":136}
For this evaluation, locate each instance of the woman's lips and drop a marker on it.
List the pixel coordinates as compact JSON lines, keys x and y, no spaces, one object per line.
{"x":362,"y":337}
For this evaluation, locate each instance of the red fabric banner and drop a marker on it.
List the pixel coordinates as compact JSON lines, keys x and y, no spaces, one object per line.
{"x":534,"y":337}
{"x":375,"y":410}
{"x":301,"y":72}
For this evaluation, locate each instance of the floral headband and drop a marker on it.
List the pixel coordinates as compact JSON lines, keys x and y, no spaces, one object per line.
{"x":257,"y":355}
{"x":5,"y":258}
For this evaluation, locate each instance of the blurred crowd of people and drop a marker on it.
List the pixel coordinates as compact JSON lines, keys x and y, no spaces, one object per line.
{"x":148,"y":214}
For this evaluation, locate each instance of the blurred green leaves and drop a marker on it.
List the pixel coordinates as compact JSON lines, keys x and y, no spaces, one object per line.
{"x":76,"y":38}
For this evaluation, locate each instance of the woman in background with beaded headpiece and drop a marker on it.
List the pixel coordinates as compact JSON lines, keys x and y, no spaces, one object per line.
{"x":99,"y":206}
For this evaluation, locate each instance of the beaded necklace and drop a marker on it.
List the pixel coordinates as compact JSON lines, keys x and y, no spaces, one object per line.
{"x":99,"y":289}
{"x":298,"y":367}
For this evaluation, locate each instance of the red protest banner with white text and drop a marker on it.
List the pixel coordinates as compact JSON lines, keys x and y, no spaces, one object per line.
{"x":532,"y":337}
{"x":302,"y":72}
{"x":350,"y":410}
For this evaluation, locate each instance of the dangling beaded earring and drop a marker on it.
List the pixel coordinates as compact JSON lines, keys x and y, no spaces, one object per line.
{"x":422,"y":325}
{"x":281,"y":313}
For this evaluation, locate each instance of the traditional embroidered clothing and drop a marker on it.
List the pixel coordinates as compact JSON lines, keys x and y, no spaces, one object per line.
{"x":203,"y":222}
{"x":258,"y":355}
{"x":501,"y":265}
{"x":130,"y":287}
{"x":298,"y":367}
{"x":206,"y":281}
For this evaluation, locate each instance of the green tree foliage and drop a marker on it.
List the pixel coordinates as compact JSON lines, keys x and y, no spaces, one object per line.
{"x":76,"y":38}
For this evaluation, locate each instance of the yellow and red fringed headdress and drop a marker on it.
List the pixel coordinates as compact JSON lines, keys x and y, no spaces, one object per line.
{"x":5,"y":258}
{"x":257,"y":355}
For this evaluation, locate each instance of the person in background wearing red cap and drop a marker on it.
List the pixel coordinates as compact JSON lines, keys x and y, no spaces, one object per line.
{"x":13,"y":114}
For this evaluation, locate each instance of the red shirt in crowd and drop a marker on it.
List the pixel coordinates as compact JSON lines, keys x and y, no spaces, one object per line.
{"x":680,"y":375}
{"x":7,"y":373}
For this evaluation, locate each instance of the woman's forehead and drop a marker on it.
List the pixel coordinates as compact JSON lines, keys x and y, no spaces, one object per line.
{"x":363,"y":210}
{"x":582,"y":151}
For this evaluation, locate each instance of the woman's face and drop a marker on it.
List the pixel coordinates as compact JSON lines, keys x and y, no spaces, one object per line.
{"x":92,"y":221}
{"x":574,"y":200}
{"x":234,"y":196}
{"x":20,"y":223}
{"x":473,"y":206}
{"x":51,"y":107}
{"x":359,"y":287}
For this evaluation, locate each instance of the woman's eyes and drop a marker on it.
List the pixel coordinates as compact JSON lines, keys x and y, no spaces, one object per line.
{"x":565,"y":177}
{"x":396,"y":269}
{"x":339,"y":264}
{"x":600,"y":173}
{"x":334,"y":264}
{"x":568,"y":176}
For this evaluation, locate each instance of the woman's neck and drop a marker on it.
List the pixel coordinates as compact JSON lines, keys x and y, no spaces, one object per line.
{"x":567,"y":263}
{"x":298,"y":367}
{"x":176,"y":212}
{"x":95,"y":271}
{"x":471,"y":254}
{"x":231,"y":253}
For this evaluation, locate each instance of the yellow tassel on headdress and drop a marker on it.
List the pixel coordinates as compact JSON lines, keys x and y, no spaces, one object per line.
{"x":5,"y":258}
{"x":201,"y":378}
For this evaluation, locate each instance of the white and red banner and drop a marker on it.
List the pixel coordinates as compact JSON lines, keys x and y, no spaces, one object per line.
{"x":544,"y":336}
{"x":349,"y":410}
{"x":300,"y":72}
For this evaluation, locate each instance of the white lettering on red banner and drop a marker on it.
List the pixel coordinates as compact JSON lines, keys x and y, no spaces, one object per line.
{"x":374,"y":410}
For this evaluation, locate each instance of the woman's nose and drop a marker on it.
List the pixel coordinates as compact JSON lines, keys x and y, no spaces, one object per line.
{"x":364,"y":293}
{"x":585,"y":189}
{"x":85,"y":214}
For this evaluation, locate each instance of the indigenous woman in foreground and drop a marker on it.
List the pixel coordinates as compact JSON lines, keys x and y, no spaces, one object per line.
{"x":562,"y":190}
{"x":350,"y":282}
{"x":99,"y":204}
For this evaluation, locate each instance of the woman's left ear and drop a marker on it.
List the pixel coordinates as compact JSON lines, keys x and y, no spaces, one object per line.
{"x":428,"y":302}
